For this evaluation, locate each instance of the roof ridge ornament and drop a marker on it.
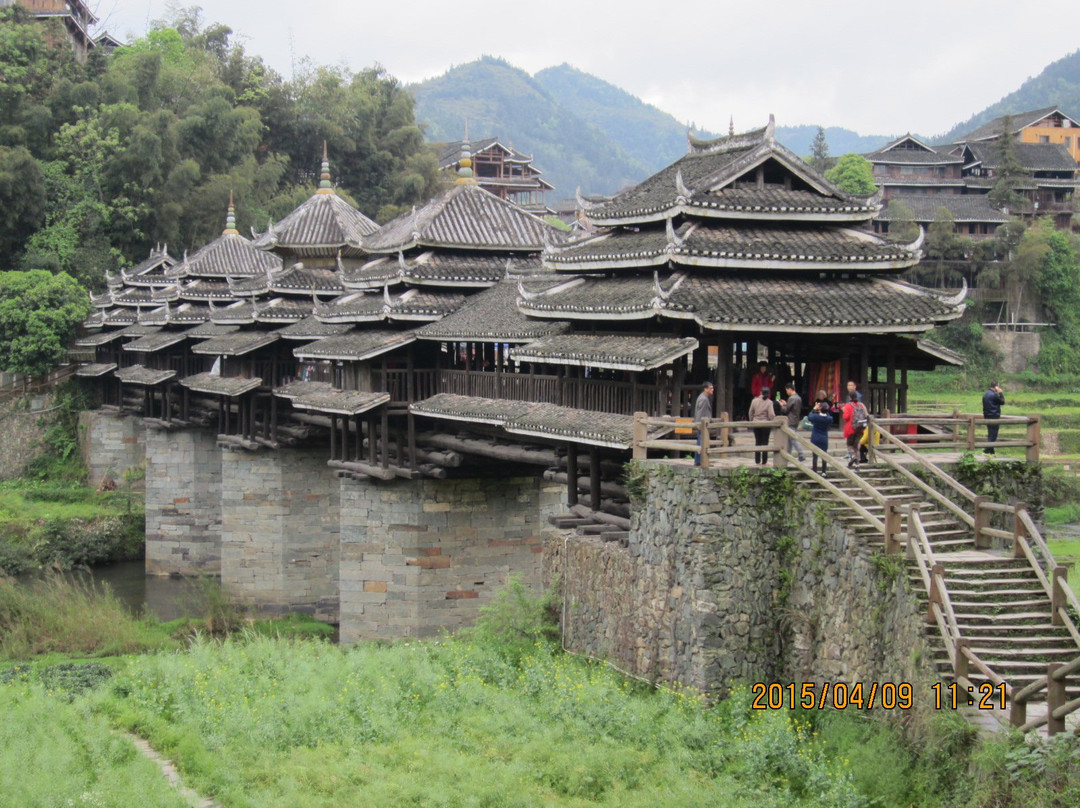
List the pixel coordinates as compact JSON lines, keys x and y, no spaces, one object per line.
{"x":582,"y":202}
{"x":958,"y":298}
{"x":325,"y":186}
{"x":674,"y":240}
{"x":916,"y":245}
{"x":230,"y":219}
{"x":680,"y":186}
{"x":770,"y":128}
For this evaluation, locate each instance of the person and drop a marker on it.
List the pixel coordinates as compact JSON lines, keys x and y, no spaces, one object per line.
{"x":854,"y":416}
{"x":703,"y":410}
{"x":821,"y":420}
{"x":993,"y":398}
{"x":761,"y":409}
{"x":762,"y":379}
{"x":792,"y":408}
{"x":852,"y":387}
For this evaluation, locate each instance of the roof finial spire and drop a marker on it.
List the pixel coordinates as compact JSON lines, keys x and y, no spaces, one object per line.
{"x":324,"y":173}
{"x":465,"y":172}
{"x":731,"y":126}
{"x":230,"y":219}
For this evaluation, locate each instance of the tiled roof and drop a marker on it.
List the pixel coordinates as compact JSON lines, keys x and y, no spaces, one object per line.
{"x":413,"y":305}
{"x":105,"y":337}
{"x":137,"y":374}
{"x":208,"y":330}
{"x":616,"y":352}
{"x":1031,"y":156}
{"x":713,"y":165}
{"x":453,"y":151}
{"x":92,"y":371}
{"x":189,"y":313}
{"x":220,"y":385}
{"x":730,"y":245}
{"x":299,"y":278}
{"x":356,"y":346}
{"x":149,"y":270}
{"x":135,"y":296}
{"x":745,"y":304}
{"x":965,"y":208}
{"x":236,"y":344}
{"x":284,"y":310}
{"x":324,"y":220}
{"x":311,"y":328}
{"x":342,"y":402}
{"x":491,"y":316}
{"x":156,"y":342}
{"x":206,"y":289}
{"x":547,"y":421}
{"x":374,"y":274}
{"x":121,"y":316}
{"x":1019,"y":121}
{"x":242,"y":312}
{"x":916,"y":181}
{"x":465,"y":217}
{"x":229,"y":254}
{"x":939,"y":351}
{"x":442,"y":268}
{"x":300,"y":388}
{"x":924,"y":154}
{"x":776,"y":201}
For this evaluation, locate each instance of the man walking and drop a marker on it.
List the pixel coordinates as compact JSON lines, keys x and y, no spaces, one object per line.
{"x":992,"y":401}
{"x":702,"y":411}
{"x":792,"y":408}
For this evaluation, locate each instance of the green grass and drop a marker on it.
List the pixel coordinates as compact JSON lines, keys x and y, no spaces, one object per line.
{"x":1067,"y":551}
{"x":55,"y":754}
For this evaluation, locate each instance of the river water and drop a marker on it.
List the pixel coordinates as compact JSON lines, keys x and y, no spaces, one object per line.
{"x":167,"y":597}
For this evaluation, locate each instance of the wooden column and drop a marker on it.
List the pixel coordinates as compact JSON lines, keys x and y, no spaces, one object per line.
{"x":594,"y":478}
{"x":725,"y":377}
{"x":333,"y":437}
{"x":571,"y":474}
{"x":890,"y":381}
{"x":385,"y":433}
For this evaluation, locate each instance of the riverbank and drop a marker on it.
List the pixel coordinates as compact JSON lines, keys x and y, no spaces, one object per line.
{"x":498,"y":716}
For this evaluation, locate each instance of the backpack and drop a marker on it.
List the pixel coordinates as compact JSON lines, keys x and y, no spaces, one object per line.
{"x":860,"y":418}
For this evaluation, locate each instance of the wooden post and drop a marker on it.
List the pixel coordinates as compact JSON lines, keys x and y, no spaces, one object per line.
{"x":1018,"y":713}
{"x":384,"y":434}
{"x":971,"y":433}
{"x":641,"y":433}
{"x":1034,"y":436}
{"x":703,"y":431}
{"x":572,"y":472}
{"x":725,"y":433}
{"x":1019,"y":530}
{"x":956,"y":425}
{"x":1055,"y":698}
{"x":935,"y":593}
{"x":594,"y":478}
{"x":778,"y":442}
{"x":871,"y":432}
{"x":411,"y":423}
{"x":1059,"y":579}
{"x":333,"y":437}
{"x":892,"y":526}
{"x":960,"y":664}
{"x":981,"y":519}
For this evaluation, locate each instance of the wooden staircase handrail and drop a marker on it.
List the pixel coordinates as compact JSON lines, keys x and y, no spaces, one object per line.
{"x":892,"y":440}
{"x":926,"y":488}
{"x":1061,"y":595}
{"x":837,"y":492}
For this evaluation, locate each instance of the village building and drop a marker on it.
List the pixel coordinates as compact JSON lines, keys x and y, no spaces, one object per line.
{"x":501,"y":169}
{"x":908,"y":166}
{"x":74,"y":15}
{"x":1045,"y":126}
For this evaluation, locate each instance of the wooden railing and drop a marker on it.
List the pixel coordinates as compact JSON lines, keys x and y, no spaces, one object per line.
{"x":960,"y":432}
{"x":38,"y":384}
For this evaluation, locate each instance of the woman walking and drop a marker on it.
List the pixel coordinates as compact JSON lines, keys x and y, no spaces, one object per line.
{"x":761,"y":409}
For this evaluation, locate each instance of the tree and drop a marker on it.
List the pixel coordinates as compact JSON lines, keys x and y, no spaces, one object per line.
{"x":1009,"y":174}
{"x":943,"y":244}
{"x":902,"y":225}
{"x":39,"y":314}
{"x":853,"y":174}
{"x":819,"y":153}
{"x":22,"y":199}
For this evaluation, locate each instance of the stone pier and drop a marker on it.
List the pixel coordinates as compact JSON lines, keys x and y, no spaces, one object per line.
{"x":111,"y":444}
{"x":183,"y":502}
{"x":421,"y":557}
{"x":279,"y":531}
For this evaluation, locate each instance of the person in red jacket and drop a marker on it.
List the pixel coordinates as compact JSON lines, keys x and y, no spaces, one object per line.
{"x":854,"y":416}
{"x":762,"y":379}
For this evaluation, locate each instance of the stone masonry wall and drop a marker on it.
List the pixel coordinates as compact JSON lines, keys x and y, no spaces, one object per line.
{"x":279,"y":531}
{"x":733,"y":576}
{"x":420,"y":557}
{"x":183,"y":502}
{"x":111,"y":444}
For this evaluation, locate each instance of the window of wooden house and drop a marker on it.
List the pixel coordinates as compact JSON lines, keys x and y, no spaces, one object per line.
{"x":1044,"y":138}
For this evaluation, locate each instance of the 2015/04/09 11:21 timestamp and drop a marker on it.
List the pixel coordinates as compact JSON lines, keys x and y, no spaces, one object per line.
{"x":985,"y":696}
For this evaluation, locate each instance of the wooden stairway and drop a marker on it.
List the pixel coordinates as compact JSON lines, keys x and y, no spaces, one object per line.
{"x":991,"y":620}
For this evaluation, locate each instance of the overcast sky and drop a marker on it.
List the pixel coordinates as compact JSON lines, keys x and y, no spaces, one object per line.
{"x":871,"y":66}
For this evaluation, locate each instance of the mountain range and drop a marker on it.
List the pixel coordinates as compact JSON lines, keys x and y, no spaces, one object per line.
{"x":585,"y":132}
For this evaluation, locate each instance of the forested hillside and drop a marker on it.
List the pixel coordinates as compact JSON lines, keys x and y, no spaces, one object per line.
{"x":581,"y":130}
{"x":1057,"y":85}
{"x":99,"y":161}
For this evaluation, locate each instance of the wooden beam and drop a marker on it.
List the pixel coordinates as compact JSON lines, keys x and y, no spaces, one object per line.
{"x":571,"y":474}
{"x":594,"y":478}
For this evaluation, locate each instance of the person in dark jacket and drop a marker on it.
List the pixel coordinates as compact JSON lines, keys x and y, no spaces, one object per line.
{"x":821,"y":421}
{"x":761,"y":409}
{"x":792,"y":408}
{"x":992,"y":401}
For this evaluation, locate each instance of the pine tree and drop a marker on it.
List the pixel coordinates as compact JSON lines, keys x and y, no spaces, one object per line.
{"x":819,"y":152}
{"x":1009,"y":174}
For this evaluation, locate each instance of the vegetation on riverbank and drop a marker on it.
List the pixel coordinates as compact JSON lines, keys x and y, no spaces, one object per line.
{"x":483,"y":719}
